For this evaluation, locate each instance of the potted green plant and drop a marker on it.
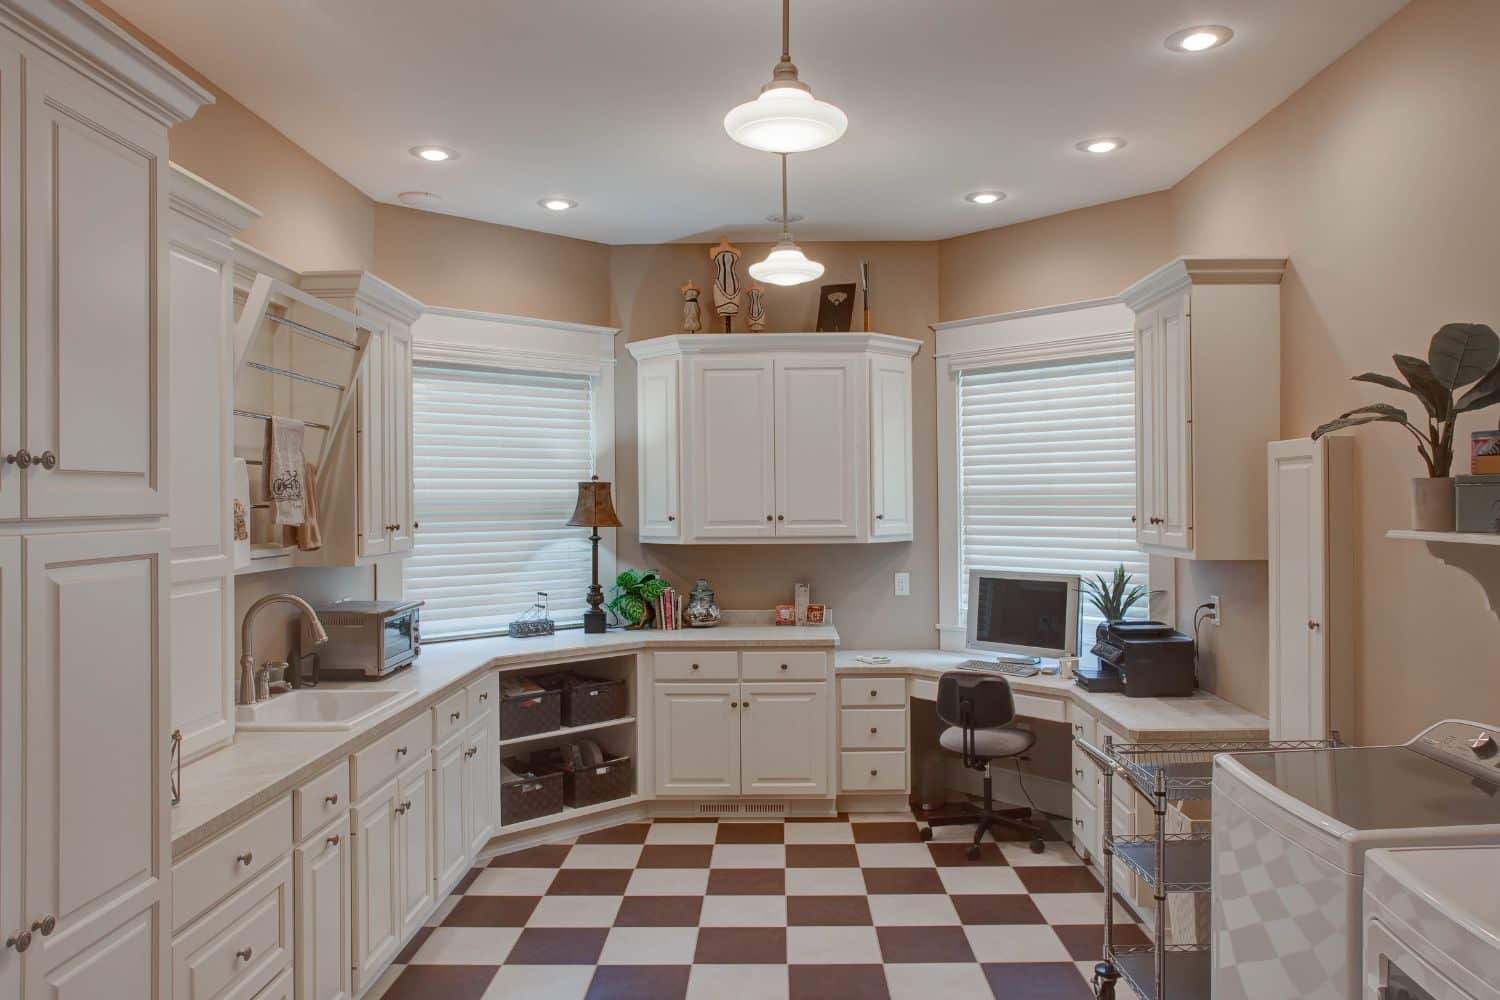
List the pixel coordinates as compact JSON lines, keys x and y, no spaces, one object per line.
{"x":634,"y":597}
{"x":1113,"y":596}
{"x":1461,"y":354}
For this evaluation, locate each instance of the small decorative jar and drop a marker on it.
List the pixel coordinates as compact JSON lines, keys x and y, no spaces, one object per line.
{"x":701,"y":611}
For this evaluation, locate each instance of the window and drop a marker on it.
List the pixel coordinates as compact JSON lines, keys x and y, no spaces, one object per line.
{"x":497,"y":457}
{"x":1046,"y":465}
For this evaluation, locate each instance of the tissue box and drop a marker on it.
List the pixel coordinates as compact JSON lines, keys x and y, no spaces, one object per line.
{"x":1478,"y":503}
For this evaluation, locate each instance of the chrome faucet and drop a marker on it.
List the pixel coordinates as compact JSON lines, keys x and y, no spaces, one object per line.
{"x":246,"y":693}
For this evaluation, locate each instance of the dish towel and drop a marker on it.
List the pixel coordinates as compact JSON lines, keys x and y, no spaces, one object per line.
{"x":306,"y":535}
{"x":285,"y":467}
{"x":240,"y":486}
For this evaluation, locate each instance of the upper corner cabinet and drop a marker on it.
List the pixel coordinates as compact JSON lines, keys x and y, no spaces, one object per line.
{"x":1208,"y":401}
{"x":774,"y":438}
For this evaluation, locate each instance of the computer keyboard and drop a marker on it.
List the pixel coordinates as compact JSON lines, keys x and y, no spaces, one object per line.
{"x":1008,"y":669}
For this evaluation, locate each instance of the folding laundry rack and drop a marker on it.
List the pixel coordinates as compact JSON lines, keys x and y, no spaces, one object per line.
{"x":1167,"y":862}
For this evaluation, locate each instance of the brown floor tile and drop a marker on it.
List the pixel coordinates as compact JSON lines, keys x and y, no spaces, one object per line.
{"x":452,"y":982}
{"x":676,"y":856}
{"x":746,"y":882}
{"x":546,"y":856}
{"x":659,"y":911}
{"x":491,"y":911}
{"x":949,"y":855}
{"x":1038,"y":981}
{"x":684,"y":819}
{"x":836,"y":818}
{"x":1000,"y":908}
{"x":902,"y":881}
{"x":741,"y":946}
{"x":464,"y":883}
{"x":625,"y":833}
{"x":924,"y":944}
{"x":1058,"y":878}
{"x":557,"y":946}
{"x":1086,"y":941}
{"x":590,"y":882}
{"x":750,"y":833}
{"x":847,"y":982}
{"x":639,"y":982}
{"x":821,"y":856}
{"x":885,"y":833}
{"x":828,"y":911}
{"x":418,"y":939}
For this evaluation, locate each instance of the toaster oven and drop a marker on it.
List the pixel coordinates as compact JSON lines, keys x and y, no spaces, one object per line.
{"x":366,"y":639}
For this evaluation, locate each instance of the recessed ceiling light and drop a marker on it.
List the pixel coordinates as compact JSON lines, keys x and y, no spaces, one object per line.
{"x":1101,"y":145}
{"x":985,"y":197}
{"x":433,"y":154}
{"x":418,"y":199}
{"x":558,"y":204}
{"x":1199,"y":39}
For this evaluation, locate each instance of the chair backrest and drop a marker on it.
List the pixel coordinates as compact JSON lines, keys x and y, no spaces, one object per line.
{"x":974,"y":700}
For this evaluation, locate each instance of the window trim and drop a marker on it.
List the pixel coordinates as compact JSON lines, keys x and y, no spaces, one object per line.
{"x":1073,"y":331}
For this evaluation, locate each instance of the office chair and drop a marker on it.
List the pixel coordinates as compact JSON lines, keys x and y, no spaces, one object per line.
{"x":978,"y":710}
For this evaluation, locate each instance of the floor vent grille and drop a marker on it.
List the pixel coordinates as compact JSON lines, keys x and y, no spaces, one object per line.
{"x":742,"y":809}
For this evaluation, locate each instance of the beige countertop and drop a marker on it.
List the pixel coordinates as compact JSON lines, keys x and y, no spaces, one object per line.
{"x":230,"y":784}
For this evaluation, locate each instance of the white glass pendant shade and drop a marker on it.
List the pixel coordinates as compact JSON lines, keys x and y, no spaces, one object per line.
{"x":786,"y":120}
{"x":786,"y":264}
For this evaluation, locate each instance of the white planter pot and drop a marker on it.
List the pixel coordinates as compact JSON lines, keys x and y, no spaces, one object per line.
{"x":1432,"y":504}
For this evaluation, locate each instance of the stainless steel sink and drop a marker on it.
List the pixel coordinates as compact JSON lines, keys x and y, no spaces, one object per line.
{"x":317,"y":710}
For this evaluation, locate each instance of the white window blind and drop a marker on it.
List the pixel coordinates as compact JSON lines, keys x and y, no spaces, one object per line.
{"x":1047,"y":472}
{"x":497,"y":457}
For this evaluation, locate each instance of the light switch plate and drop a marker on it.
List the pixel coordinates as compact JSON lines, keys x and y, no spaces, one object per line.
{"x":903,"y":584}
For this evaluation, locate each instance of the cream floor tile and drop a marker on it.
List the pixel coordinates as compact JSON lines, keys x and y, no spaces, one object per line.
{"x":1016,"y":943}
{"x":980,"y":879}
{"x":1070,"y":907}
{"x":512,"y":882}
{"x":649,"y":946}
{"x":466,"y":946}
{"x":443,"y":909}
{"x":1057,"y":853}
{"x":749,"y":856}
{"x":668,"y":882}
{"x":819,"y":833}
{"x":603,"y":856}
{"x":575,"y":911}
{"x":682,"y":833}
{"x":540,"y":982}
{"x":924,"y":981}
{"x":832,"y":946}
{"x":894,"y":856}
{"x":824,"y":882}
{"x":743,"y":982}
{"x":924,"y":910}
{"x":743,"y":911}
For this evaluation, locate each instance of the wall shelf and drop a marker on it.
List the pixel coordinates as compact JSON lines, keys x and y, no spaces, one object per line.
{"x":567,"y":731}
{"x":1446,"y":537}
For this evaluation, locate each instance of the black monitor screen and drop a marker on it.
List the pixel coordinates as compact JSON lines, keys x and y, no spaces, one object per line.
{"x":1031,"y":613}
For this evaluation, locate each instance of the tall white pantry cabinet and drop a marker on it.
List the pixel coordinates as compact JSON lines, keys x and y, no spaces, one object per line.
{"x":84,"y":473}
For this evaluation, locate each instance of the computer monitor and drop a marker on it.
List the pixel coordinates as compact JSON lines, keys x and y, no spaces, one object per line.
{"x":1028,"y":615}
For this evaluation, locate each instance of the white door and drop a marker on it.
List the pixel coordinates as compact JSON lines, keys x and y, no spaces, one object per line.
{"x":481,"y":785}
{"x":697,"y":739}
{"x":96,"y":352}
{"x":321,"y":877}
{"x":397,"y":446}
{"x":10,"y":287}
{"x":1176,"y":501}
{"x":657,"y":386}
{"x":12,"y":717}
{"x":732,"y":425}
{"x":121,"y":962}
{"x":819,"y":438}
{"x":785,"y":739}
{"x":450,"y":831}
{"x":374,"y":539}
{"x":95,"y":753}
{"x":891,"y":500}
{"x":418,"y":891}
{"x":1148,"y":447}
{"x":376,"y":883}
{"x":1298,"y":552}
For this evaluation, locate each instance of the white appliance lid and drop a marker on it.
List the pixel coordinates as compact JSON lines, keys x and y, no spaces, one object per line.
{"x":1449,"y":897}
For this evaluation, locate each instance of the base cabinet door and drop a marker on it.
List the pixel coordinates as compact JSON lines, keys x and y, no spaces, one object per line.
{"x":121,"y":962}
{"x":12,"y":716}
{"x":481,"y":785}
{"x":785,"y":739}
{"x":697,"y":739}
{"x":453,"y":797}
{"x":418,"y":877}
{"x":376,"y":884}
{"x":322,"y":893}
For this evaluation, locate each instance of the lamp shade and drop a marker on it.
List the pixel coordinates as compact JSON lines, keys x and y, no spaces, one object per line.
{"x":595,"y":509}
{"x":786,"y":264}
{"x":785,"y":120}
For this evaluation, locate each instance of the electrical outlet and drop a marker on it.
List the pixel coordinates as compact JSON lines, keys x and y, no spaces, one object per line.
{"x":1215,"y":615}
{"x":903,"y":584}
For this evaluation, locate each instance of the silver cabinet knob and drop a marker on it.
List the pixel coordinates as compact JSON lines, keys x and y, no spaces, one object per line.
{"x":245,"y":858}
{"x":47,"y":460}
{"x":1313,"y":625}
{"x":331,"y":800}
{"x":333,"y":841}
{"x":880,"y":517}
{"x":45,"y":926}
{"x":404,"y":807}
{"x":470,"y":752}
{"x":671,"y":517}
{"x":769,"y":517}
{"x":19,"y":942}
{"x":783,"y":666}
{"x":484,"y":696}
{"x":781,"y":517}
{"x":244,"y":953}
{"x":734,"y":704}
{"x":21,"y":459}
{"x":1078,"y":772}
{"x":454,"y":716}
{"x":874,"y":772}
{"x":401,"y":751}
{"x":873,"y":730}
{"x":695,"y":666}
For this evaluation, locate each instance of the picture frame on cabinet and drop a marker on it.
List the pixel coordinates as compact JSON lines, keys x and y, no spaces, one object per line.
{"x":835,"y":308}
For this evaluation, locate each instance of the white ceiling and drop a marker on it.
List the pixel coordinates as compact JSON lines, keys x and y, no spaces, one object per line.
{"x":619,"y":104}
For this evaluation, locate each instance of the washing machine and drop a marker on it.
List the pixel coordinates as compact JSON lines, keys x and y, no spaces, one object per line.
{"x":1290,"y":833}
{"x":1432,"y":923}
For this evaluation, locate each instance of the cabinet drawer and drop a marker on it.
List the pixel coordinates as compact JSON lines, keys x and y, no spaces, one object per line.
{"x":241,"y":946}
{"x":1085,"y":776}
{"x":483,"y":695}
{"x":378,"y":763}
{"x":1085,"y":826}
{"x":1081,"y":725}
{"x":859,"y":691}
{"x":791,"y":665}
{"x":450,"y":716}
{"x":1040,"y":707}
{"x":872,"y":728}
{"x":280,"y":988}
{"x":320,"y":801}
{"x":872,"y":771}
{"x":229,"y":861}
{"x":703,"y":665}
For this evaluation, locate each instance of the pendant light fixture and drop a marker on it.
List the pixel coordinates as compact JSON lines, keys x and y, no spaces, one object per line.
{"x":786,"y":117}
{"x":786,"y":264}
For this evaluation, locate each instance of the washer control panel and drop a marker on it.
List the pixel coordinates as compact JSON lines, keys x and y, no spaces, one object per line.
{"x":1475,"y":746}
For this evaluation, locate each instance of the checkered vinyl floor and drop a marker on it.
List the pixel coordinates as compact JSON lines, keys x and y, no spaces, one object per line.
{"x":828,"y":908}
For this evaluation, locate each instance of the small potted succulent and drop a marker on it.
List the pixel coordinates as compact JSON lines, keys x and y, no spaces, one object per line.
{"x":1461,"y":354}
{"x":634,"y":597}
{"x":1113,"y":596}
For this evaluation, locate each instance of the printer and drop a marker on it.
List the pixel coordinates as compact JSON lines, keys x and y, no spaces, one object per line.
{"x":1142,"y":659}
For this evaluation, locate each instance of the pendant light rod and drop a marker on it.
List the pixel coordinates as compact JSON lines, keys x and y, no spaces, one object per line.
{"x":786,"y":30}
{"x":786,"y":225}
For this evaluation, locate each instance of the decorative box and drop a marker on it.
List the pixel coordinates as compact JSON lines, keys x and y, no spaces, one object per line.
{"x":1484,"y":453}
{"x":1477,"y":501}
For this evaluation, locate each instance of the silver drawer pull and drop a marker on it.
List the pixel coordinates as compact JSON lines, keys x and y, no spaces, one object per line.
{"x":245,"y":858}
{"x":873,"y":772}
{"x":333,"y":841}
{"x":783,"y":666}
{"x":484,"y":696}
{"x":695,"y":666}
{"x":19,"y":942}
{"x":401,"y":751}
{"x":1078,"y":772}
{"x":454,"y":716}
{"x":331,"y":799}
{"x":244,"y":953}
{"x":45,"y":926}
{"x":470,"y":752}
{"x":874,"y":694}
{"x":873,"y":730}
{"x":1078,"y":823}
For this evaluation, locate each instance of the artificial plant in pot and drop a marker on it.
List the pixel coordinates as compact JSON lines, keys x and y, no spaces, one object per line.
{"x":634,"y":597}
{"x":1113,"y":596}
{"x":1461,"y":354}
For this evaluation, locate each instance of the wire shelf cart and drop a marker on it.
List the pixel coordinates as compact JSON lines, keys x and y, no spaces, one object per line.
{"x":1162,"y":773}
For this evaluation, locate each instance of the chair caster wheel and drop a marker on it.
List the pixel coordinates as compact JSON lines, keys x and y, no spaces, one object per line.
{"x":925,"y":833}
{"x":972,"y":852}
{"x":1038,"y":846}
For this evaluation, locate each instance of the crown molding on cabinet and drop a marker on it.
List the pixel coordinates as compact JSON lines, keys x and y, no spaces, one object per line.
{"x":250,"y":261}
{"x":1186,"y":271}
{"x":197,"y":199}
{"x":365,"y":287}
{"x":738,"y":343}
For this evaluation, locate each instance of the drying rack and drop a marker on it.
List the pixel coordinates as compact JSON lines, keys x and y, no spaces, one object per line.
{"x":1163,"y":773}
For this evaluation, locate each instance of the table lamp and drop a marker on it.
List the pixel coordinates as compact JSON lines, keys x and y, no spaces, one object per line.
{"x":595,"y":510}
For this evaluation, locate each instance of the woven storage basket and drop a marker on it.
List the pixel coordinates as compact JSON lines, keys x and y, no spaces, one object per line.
{"x":592,"y":785}
{"x":522,"y":799}
{"x":588,"y":700}
{"x":529,"y":714}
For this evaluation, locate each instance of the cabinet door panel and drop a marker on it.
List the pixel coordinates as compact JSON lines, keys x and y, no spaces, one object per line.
{"x":94,"y":209}
{"x":1176,"y":500}
{"x":397,"y":443}
{"x":891,"y":500}
{"x":1147,"y":423}
{"x":818,"y":440}
{"x":417,"y":873}
{"x":481,"y":786}
{"x":10,"y":286}
{"x":376,"y":884}
{"x":122,"y":962}
{"x":450,"y":833}
{"x":656,"y":449}
{"x":374,"y":540}
{"x":200,"y":623}
{"x":734,"y":460}
{"x":12,"y":717}
{"x":697,"y":739}
{"x":322,"y":892}
{"x":785,"y":739}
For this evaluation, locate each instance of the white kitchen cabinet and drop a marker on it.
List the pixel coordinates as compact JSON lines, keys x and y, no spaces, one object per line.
{"x":1208,"y":371}
{"x":321,"y":873}
{"x":12,"y":750}
{"x":785,"y":741}
{"x":481,"y":783}
{"x":774,"y":438}
{"x":398,"y":438}
{"x":1311,"y":579}
{"x":414,"y":831}
{"x":376,"y":883}
{"x":697,"y":739}
{"x":10,"y":284}
{"x":452,"y":800}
